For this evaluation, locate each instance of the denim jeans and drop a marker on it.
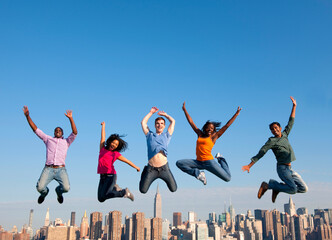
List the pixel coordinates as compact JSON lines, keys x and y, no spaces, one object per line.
{"x":293,"y":182}
{"x":107,"y":189}
{"x":48,"y":174}
{"x":192,"y":167}
{"x":150,"y":174}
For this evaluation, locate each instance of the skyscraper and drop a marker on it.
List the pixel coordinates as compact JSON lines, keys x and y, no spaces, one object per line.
{"x":290,"y":207}
{"x":138,"y":226}
{"x":177,"y":219}
{"x":84,"y":228}
{"x":96,"y":221}
{"x":30,"y":218}
{"x":114,"y":231}
{"x":277,"y":225}
{"x":156,"y":228}
{"x":72,"y":218}
{"x":47,"y":218}
{"x":192,"y":217}
{"x":157,"y":204}
{"x":129,"y":228}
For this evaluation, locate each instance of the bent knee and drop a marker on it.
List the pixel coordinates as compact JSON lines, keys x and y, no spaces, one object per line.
{"x":143,"y":189}
{"x":293,"y":190}
{"x":39,"y":188}
{"x":228,"y":179}
{"x":179,"y":164}
{"x":65,"y":189}
{"x":303,"y":189}
{"x":101,"y":199}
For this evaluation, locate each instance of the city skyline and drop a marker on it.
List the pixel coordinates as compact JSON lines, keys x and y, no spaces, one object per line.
{"x":112,"y":61}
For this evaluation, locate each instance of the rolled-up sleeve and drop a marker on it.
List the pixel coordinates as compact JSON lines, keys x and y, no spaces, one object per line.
{"x":70,"y":139}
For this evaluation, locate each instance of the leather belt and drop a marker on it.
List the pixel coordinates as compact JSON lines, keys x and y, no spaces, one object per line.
{"x":55,"y":166}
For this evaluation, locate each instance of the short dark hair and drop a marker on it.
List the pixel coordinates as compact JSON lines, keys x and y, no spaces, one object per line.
{"x":215,"y":124}
{"x":276,"y":123}
{"x":60,"y":129}
{"x":159,"y":118}
{"x":123,"y":145}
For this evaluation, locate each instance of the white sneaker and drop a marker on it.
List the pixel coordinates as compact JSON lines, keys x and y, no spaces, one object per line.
{"x":218,"y":155}
{"x":201,"y":177}
{"x":129,"y":195}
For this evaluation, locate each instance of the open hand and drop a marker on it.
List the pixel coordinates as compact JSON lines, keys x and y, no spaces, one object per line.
{"x":162,"y":113}
{"x":154,"y":110}
{"x":246,"y":168}
{"x":293,"y":100}
{"x":69,"y":113}
{"x":26,"y":111}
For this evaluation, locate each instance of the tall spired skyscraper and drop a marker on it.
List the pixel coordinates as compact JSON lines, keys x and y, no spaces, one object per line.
{"x":157,"y":204}
{"x":47,"y":218}
{"x":84,"y":228}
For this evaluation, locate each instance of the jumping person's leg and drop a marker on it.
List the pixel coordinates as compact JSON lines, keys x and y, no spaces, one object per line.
{"x":147,"y":177}
{"x":285,"y":173}
{"x":166,"y":175}
{"x":220,"y":169}
{"x":189,"y":166}
{"x":45,"y":178}
{"x":107,"y":189}
{"x":301,"y":186}
{"x":61,"y":177}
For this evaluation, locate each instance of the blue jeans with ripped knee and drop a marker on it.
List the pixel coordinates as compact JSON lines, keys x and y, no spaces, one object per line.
{"x":292,"y":181}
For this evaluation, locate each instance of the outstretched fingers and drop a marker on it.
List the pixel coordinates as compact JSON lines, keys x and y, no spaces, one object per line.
{"x":293,"y":101}
{"x":26,"y":110}
{"x":69,"y":113}
{"x":246,"y":168}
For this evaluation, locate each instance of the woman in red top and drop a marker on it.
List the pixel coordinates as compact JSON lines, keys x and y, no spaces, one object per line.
{"x":207,"y":137}
{"x":109,"y":153}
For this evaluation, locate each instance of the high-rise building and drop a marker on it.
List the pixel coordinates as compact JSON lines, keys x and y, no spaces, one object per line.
{"x":157,"y":204}
{"x":129,"y":228}
{"x":47,"y":218}
{"x":202,"y":231}
{"x":96,"y":223}
{"x":30,"y":218}
{"x":277,"y":225}
{"x":156,"y":228}
{"x":84,"y":228}
{"x":72,"y":218}
{"x":147,"y":229}
{"x":177,"y":219}
{"x":114,"y":231}
{"x":267,"y":224}
{"x":298,"y":227}
{"x":165,"y":229}
{"x":302,"y":211}
{"x":192,"y":217}
{"x":329,"y":212}
{"x":290,"y":207}
{"x":138,"y":226}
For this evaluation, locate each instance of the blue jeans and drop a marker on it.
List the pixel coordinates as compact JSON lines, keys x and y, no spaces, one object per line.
{"x":293,"y":182}
{"x":107,"y":189}
{"x":192,"y":167}
{"x":150,"y":174}
{"x":48,"y":174}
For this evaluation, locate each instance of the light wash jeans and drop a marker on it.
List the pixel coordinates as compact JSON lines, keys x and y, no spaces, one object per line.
{"x":293,"y":182}
{"x":48,"y":174}
{"x":192,"y":167}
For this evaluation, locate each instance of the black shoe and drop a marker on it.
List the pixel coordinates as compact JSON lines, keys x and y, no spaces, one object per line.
{"x":41,"y":199}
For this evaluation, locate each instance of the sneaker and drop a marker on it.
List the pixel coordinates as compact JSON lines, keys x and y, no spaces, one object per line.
{"x":60,"y":197}
{"x":42,"y":198}
{"x":274,"y":195}
{"x":129,"y":195}
{"x":219,"y":157}
{"x":201,"y":177}
{"x":263,"y":188}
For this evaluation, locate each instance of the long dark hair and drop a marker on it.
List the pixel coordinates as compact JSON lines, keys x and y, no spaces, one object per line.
{"x":215,"y":124}
{"x":123,"y":145}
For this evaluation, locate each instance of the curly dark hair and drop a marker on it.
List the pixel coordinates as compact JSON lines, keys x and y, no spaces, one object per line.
{"x":215,"y":124}
{"x":123,"y":145}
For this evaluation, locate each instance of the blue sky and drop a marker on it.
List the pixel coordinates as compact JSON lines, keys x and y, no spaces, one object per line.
{"x":113,"y":60}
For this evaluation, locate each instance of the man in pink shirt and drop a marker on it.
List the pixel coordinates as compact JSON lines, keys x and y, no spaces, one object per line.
{"x":56,"y":151}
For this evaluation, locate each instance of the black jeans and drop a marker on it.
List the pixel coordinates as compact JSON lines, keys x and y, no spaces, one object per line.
{"x":106,"y":188}
{"x":150,"y":174}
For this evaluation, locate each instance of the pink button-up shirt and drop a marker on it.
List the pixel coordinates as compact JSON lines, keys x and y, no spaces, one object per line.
{"x":56,"y":148}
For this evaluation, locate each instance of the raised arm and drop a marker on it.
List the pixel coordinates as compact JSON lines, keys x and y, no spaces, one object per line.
{"x":171,"y":121}
{"x":27,"y":115}
{"x":190,"y":121}
{"x":102,"y":138}
{"x":69,"y":115}
{"x":145,"y":120}
{"x":229,"y":123}
{"x":123,"y":159}
{"x":294,"y":107}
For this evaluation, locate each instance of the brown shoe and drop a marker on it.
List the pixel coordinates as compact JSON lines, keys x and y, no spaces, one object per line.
{"x":274,"y":195}
{"x":264,"y":187}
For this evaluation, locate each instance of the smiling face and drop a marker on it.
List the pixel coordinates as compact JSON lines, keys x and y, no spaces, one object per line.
{"x":58,"y":132}
{"x":276,"y":130}
{"x":114,"y":145}
{"x":209,"y":129}
{"x":160,"y":126}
